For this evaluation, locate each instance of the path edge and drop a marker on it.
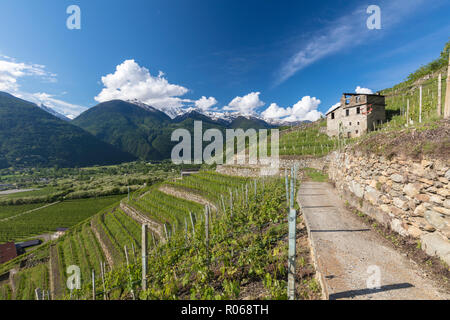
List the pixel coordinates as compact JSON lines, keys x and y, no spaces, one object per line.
{"x":312,"y":249}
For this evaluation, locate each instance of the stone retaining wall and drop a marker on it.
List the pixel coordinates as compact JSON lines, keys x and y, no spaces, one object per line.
{"x":412,"y":198}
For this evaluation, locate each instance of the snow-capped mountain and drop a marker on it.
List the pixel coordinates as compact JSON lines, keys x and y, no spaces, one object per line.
{"x":222,"y":116}
{"x":53,"y":112}
{"x":170,"y":111}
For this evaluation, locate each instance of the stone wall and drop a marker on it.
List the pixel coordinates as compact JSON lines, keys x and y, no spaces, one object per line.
{"x":285,"y":162}
{"x":412,"y":198}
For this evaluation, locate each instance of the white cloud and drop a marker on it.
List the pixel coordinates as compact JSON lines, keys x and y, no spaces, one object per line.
{"x":245,"y":105}
{"x":345,"y":32}
{"x":304,"y":109}
{"x":133,"y":82}
{"x":205,"y":103}
{"x":363,"y":90}
{"x":275,"y":112}
{"x":12,"y":71}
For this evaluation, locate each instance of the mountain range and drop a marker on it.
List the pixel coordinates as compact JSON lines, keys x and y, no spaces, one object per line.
{"x":30,"y":136}
{"x":145,"y":131}
{"x":111,"y":132}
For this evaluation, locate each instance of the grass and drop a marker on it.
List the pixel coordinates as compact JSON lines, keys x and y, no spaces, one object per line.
{"x":315,"y":175}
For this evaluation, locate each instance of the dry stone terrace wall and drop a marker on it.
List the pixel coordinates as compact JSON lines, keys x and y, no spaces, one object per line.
{"x":413,"y":198}
{"x":288,"y":163}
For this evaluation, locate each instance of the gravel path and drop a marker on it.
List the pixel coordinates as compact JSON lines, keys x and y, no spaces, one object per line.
{"x":348,"y":254}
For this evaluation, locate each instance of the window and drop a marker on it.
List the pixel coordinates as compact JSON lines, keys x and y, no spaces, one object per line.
{"x":349,"y":123}
{"x":347,"y":101}
{"x":332,"y":115}
{"x":349,"y":134}
{"x":358,"y":110}
{"x":358,"y":123}
{"x":347,"y":112}
{"x":358,"y":98}
{"x":356,"y":131}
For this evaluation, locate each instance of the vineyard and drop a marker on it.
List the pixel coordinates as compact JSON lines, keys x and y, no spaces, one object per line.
{"x":244,"y":256}
{"x":307,"y":140}
{"x":397,"y":100}
{"x":49,"y":218}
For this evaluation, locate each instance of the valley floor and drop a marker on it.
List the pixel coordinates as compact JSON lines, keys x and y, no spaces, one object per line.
{"x":349,"y":254}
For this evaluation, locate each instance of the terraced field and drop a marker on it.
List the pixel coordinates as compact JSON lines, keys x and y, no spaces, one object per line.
{"x":166,"y":209}
{"x":307,"y":140}
{"x":244,"y":257}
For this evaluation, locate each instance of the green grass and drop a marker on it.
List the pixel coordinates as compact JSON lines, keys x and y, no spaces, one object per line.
{"x":316,"y":175}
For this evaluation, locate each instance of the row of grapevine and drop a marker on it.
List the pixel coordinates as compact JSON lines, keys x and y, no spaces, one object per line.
{"x":246,"y":246}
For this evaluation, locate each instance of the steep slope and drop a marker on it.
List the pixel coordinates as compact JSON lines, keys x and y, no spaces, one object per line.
{"x":145,"y":131}
{"x":53,"y":112}
{"x":30,"y":136}
{"x":251,"y":122}
{"x":130,"y":127}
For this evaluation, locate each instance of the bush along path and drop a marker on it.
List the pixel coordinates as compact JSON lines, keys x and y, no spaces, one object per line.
{"x":236,"y":252}
{"x":354,"y":261}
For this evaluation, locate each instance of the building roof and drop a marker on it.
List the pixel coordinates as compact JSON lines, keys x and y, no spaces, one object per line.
{"x":27,"y":244}
{"x":61,"y":229}
{"x":7,"y":252}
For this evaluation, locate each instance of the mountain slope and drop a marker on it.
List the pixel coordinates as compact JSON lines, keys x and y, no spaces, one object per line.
{"x":53,"y":112}
{"x":145,"y":131}
{"x":30,"y":136}
{"x":130,"y":127}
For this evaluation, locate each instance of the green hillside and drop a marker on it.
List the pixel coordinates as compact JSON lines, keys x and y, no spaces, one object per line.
{"x":146,"y":133}
{"x":30,"y":136}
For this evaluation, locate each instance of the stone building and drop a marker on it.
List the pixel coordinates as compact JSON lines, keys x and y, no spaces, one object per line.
{"x":356,"y":114}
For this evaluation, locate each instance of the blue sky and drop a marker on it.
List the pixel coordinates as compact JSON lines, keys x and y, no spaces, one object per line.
{"x":294,"y":57}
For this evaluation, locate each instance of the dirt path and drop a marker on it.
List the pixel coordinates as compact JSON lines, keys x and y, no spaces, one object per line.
{"x":55,"y":285}
{"x":187,"y":195}
{"x":348,"y":255}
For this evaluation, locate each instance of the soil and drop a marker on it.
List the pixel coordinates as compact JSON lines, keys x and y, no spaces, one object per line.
{"x":432,"y":141}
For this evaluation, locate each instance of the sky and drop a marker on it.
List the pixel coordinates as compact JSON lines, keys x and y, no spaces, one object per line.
{"x":287,"y":60}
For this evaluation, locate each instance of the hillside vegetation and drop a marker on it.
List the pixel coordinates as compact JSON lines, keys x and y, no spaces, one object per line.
{"x":30,"y":137}
{"x":245,"y":257}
